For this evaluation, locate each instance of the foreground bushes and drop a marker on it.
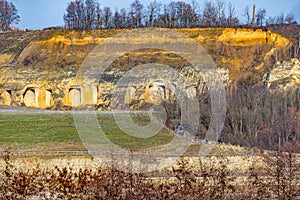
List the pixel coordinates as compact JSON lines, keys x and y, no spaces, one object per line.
{"x":277,"y":178}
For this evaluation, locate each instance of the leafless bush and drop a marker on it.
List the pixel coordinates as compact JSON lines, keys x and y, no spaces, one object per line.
{"x":276,"y":178}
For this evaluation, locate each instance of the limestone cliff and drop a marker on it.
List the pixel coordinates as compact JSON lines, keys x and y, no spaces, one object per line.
{"x":38,"y":68}
{"x":285,"y":74}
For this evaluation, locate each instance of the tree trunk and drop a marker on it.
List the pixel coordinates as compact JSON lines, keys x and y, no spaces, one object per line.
{"x":253,"y":16}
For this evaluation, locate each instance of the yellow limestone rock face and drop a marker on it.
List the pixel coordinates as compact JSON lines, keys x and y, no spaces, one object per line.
{"x":7,"y":97}
{"x":74,"y":41}
{"x":44,"y":72}
{"x":80,"y":95}
{"x":73,"y":96}
{"x":36,"y":95}
{"x":242,"y":37}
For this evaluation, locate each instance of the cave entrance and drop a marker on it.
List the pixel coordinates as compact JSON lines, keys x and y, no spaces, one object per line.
{"x":30,"y":97}
{"x":75,"y":98}
{"x":48,"y":98}
{"x":130,"y":94}
{"x":7,"y":97}
{"x":191,"y":91}
{"x":158,"y":91}
{"x":94,"y":94}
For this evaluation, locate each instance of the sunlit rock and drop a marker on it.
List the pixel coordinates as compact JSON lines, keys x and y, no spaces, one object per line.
{"x":285,"y":74}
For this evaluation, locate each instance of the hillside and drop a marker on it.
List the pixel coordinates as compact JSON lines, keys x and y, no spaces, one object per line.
{"x":41,"y":65}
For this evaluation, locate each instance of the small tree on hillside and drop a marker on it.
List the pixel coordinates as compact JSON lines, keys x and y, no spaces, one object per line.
{"x":8,"y":15}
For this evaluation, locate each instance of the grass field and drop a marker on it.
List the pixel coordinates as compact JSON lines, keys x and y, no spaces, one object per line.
{"x":56,"y":131}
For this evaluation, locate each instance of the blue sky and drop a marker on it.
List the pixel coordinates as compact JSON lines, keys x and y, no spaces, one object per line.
{"x":39,"y":14}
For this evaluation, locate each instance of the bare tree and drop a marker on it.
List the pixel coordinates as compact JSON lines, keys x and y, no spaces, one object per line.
{"x":107,"y":17}
{"x":123,"y":14}
{"x":189,"y":16}
{"x":75,"y":18}
{"x":91,"y":6}
{"x":137,"y":13}
{"x":117,"y":19}
{"x":185,"y":14}
{"x":153,"y":12}
{"x":8,"y":15}
{"x":247,"y":15}
{"x":80,"y":13}
{"x":209,"y":14}
{"x":70,"y":17}
{"x":99,"y":19}
{"x":290,"y":18}
{"x":83,"y":15}
{"x":221,"y":19}
{"x":271,"y":20}
{"x":195,"y":14}
{"x":231,"y":15}
{"x":260,"y":17}
{"x":172,"y":14}
{"x":164,"y":18}
{"x":280,"y":19}
{"x":253,"y":15}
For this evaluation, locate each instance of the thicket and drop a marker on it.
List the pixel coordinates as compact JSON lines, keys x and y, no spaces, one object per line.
{"x":89,"y":14}
{"x":257,"y":116}
{"x":277,"y":177}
